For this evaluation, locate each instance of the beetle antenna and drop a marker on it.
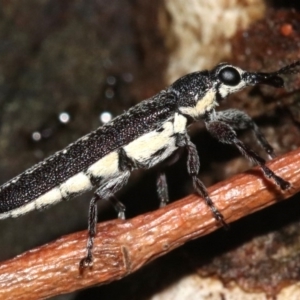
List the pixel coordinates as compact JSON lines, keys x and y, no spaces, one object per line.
{"x":289,"y":69}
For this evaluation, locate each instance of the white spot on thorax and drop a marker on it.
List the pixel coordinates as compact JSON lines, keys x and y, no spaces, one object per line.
{"x":206,"y":103}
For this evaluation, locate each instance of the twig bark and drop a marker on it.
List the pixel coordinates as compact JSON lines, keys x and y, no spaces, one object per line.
{"x":121,"y":247}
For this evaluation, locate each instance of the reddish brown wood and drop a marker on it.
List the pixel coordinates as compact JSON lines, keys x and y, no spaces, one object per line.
{"x":121,"y":247}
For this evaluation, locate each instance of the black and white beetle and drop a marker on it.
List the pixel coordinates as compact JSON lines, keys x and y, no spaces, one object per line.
{"x":147,"y":134}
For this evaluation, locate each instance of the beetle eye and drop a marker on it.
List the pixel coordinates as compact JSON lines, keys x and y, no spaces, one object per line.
{"x":229,"y":76}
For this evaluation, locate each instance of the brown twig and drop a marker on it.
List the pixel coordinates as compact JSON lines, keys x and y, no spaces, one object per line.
{"x":121,"y":247}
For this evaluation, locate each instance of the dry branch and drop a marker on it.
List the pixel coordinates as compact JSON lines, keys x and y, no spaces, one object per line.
{"x":121,"y":247}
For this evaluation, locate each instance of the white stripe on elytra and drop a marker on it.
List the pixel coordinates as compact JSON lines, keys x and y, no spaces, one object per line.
{"x":106,"y":167}
{"x":75,"y":185}
{"x":143,"y":148}
{"x":51,"y":197}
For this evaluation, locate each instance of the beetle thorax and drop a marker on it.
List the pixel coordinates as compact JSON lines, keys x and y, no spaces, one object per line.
{"x":202,"y":105}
